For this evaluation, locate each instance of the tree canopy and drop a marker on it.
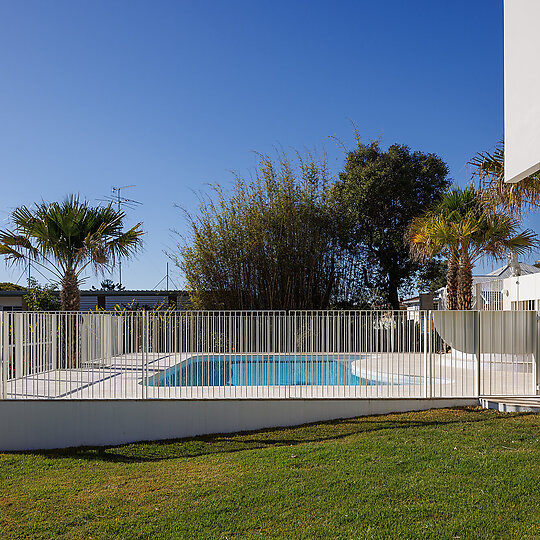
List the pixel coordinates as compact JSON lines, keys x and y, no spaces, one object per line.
{"x":67,"y":237}
{"x":461,"y":228}
{"x":269,"y":244}
{"x":7,"y":286}
{"x":379,"y":193}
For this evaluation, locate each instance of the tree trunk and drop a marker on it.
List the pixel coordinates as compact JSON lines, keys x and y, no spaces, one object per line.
{"x":452,"y":284}
{"x":70,"y":294}
{"x":393,"y":296}
{"x":71,"y":301}
{"x":465,"y":287}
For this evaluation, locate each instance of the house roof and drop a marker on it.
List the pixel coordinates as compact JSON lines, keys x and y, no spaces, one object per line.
{"x":108,"y":293}
{"x":504,"y":272}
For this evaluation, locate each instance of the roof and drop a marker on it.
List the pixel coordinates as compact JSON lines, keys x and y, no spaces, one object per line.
{"x":506,"y":271}
{"x":108,"y":293}
{"x":142,"y":292}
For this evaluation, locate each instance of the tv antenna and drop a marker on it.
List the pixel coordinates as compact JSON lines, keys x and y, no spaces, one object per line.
{"x":167,"y":278}
{"x":121,"y":202}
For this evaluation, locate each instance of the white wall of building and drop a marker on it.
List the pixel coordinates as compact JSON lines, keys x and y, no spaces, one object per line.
{"x":41,"y":424}
{"x":521,"y":88}
{"x":519,"y":292}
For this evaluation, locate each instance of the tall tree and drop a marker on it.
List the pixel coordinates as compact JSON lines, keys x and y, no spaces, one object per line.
{"x":379,"y":193}
{"x":461,"y":228}
{"x":269,"y":244}
{"x":66,"y":238}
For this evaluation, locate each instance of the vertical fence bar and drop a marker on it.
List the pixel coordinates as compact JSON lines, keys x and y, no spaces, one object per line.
{"x":423,"y":317}
{"x":536,"y":371}
{"x":430,"y":327}
{"x":18,"y":340}
{"x":478,"y":352}
{"x":144,"y":353}
{"x":4,"y":351}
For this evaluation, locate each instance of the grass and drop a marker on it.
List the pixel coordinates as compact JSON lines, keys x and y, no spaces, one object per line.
{"x":452,"y":473}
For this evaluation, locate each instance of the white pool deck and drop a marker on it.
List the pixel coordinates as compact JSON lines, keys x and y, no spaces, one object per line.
{"x":122,"y":377}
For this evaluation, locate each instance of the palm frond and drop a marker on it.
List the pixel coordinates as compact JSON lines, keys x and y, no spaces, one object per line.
{"x":498,"y":196}
{"x":69,"y":235}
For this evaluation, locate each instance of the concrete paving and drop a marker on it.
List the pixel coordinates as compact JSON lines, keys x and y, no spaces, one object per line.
{"x":396,"y":375}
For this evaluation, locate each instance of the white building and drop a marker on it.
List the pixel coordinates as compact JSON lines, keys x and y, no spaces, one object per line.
{"x":521,"y":84}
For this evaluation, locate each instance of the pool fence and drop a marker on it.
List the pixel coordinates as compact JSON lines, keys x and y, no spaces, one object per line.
{"x":267,"y":355}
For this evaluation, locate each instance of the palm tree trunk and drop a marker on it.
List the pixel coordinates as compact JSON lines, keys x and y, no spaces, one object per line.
{"x":452,"y":284}
{"x":465,"y":287}
{"x":70,"y":294}
{"x":71,"y":301}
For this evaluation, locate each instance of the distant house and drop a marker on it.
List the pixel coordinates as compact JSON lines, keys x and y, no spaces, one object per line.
{"x":500,"y":289}
{"x":497,"y":290}
{"x":489,"y":289}
{"x":92,"y":300}
{"x":424,"y":301}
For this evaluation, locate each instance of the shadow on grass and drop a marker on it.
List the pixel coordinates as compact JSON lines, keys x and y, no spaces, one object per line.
{"x":272,"y":437}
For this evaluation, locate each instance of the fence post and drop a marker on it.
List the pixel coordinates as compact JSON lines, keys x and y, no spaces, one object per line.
{"x":477,"y":348}
{"x":536,"y":371}
{"x":18,"y":341}
{"x":54,"y":340}
{"x":146,"y":342}
{"x":144,"y":353}
{"x":427,"y":382}
{"x":3,"y":358}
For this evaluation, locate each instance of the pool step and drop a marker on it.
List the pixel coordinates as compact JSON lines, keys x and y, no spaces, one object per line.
{"x":510,"y":404}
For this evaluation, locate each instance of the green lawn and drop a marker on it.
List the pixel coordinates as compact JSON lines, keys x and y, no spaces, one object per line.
{"x":453,"y":473}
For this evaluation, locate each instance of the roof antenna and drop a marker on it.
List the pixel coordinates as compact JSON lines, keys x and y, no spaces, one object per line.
{"x":116,"y":198}
{"x":164,"y":278}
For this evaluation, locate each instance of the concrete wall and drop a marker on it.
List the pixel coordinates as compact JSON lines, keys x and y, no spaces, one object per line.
{"x":27,"y":425}
{"x":521,"y":83}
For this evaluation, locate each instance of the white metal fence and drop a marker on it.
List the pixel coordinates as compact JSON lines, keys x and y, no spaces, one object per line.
{"x":488,"y":295}
{"x":268,"y":354}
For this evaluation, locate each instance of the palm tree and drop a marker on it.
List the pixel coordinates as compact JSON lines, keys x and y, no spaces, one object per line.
{"x":429,"y":237}
{"x":66,"y":238}
{"x":432,"y":235}
{"x":462,"y":229}
{"x":513,"y":199}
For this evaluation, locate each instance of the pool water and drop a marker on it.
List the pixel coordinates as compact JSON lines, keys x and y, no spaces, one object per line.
{"x":266,"y":370}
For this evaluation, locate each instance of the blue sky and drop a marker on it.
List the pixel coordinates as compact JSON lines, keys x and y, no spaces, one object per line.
{"x":171,"y":96}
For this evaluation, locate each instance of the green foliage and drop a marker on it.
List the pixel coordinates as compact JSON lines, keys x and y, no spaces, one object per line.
{"x":136,"y":307}
{"x":432,"y":276}
{"x":6,"y":286}
{"x":270,"y":244}
{"x":499,"y":196}
{"x":66,"y":238}
{"x":461,"y":228}
{"x":378,"y":194}
{"x":42,"y":297}
{"x":109,"y":285}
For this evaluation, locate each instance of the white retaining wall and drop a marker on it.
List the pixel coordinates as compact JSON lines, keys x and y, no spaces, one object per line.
{"x":39,"y":424}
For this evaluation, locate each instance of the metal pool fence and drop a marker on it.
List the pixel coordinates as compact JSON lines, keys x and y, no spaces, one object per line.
{"x":267,"y":354}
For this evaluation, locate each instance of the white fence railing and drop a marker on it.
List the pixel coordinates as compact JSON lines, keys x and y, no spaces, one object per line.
{"x":488,"y":295}
{"x":268,"y":354}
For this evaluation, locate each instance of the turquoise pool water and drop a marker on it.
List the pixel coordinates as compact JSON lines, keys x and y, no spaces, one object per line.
{"x":269,"y":370}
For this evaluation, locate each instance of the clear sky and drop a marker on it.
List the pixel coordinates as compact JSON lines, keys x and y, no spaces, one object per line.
{"x":171,"y":96}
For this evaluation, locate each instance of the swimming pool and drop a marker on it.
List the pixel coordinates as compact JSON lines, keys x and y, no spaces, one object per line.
{"x":273,"y":370}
